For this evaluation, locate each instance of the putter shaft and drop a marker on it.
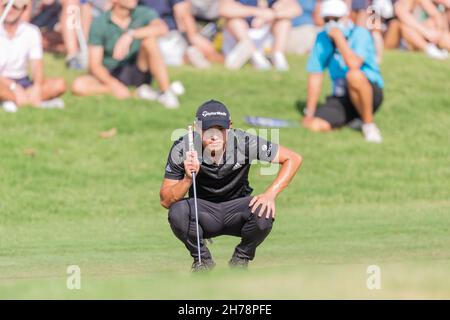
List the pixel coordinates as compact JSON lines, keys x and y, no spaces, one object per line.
{"x":196,"y":219}
{"x":191,"y":148}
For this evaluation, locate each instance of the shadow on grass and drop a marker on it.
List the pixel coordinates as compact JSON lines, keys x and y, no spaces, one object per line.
{"x":300,"y":105}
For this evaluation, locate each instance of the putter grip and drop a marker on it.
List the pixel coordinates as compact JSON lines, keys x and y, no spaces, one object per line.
{"x":191,"y":142}
{"x":191,"y":138}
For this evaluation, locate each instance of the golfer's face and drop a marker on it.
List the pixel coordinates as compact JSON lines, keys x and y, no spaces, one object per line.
{"x":214,"y":138}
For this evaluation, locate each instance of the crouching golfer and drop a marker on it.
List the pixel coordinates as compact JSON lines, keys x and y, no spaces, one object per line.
{"x":221,"y":160}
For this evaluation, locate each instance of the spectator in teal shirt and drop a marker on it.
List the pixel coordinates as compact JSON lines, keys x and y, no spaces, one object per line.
{"x":348,"y":52}
{"x":124,"y":52}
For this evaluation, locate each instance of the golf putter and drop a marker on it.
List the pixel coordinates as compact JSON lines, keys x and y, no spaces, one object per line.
{"x":191,"y":148}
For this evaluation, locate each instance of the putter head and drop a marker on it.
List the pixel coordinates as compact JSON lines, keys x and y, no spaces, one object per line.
{"x":205,"y":265}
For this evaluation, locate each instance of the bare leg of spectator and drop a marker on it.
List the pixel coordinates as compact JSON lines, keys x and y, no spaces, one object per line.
{"x":311,"y":122}
{"x":281,"y":30}
{"x":393,"y":35}
{"x":209,"y":51}
{"x":68,"y":25}
{"x":52,"y":88}
{"x":201,"y":50}
{"x":88,"y":85}
{"x":5,"y":93}
{"x":414,"y":39}
{"x":417,"y":42}
{"x":361,"y":94}
{"x":239,"y":29}
{"x":245,"y":49}
{"x":448,"y":18}
{"x":151,"y":59}
{"x":445,"y":41}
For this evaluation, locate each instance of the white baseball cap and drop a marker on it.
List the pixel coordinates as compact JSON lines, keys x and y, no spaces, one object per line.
{"x":333,"y":8}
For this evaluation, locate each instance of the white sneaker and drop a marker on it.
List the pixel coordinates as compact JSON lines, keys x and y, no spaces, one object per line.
{"x":371,"y":133}
{"x":434,"y":52}
{"x":146,"y":92}
{"x":196,"y":58}
{"x":279,"y":61}
{"x":56,"y":103}
{"x":240,"y":55}
{"x":10,"y":106}
{"x":177,"y":87}
{"x":260,"y":62}
{"x":169,"y":100}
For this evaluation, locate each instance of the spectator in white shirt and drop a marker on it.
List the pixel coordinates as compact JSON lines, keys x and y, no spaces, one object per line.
{"x":21,"y":48}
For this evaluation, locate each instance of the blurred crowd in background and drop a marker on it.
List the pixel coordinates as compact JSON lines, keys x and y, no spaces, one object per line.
{"x":128,"y":43}
{"x":208,"y":26}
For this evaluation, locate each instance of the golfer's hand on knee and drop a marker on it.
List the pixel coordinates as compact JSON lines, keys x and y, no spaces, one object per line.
{"x":191,"y":164}
{"x":266,"y":204}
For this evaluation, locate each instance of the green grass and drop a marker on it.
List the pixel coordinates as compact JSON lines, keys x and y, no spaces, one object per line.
{"x":94,"y":203}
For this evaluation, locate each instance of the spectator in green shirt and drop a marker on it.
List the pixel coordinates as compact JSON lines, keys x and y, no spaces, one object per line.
{"x":124,"y":52}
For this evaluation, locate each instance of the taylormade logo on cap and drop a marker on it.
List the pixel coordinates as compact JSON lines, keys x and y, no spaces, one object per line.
{"x":216,"y":113}
{"x":213,"y":113}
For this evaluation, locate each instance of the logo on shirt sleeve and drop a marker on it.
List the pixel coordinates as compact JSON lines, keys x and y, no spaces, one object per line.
{"x":267,"y":149}
{"x":237,"y":166}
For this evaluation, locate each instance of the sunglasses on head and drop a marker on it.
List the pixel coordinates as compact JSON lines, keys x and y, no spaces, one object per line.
{"x":16,"y":7}
{"x":328,"y":19}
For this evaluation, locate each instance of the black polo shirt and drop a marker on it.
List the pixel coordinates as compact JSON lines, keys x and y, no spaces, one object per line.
{"x":229,"y":179}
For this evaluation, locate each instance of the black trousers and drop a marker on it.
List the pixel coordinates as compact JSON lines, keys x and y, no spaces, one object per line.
{"x":338,"y":111}
{"x":233,"y":218}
